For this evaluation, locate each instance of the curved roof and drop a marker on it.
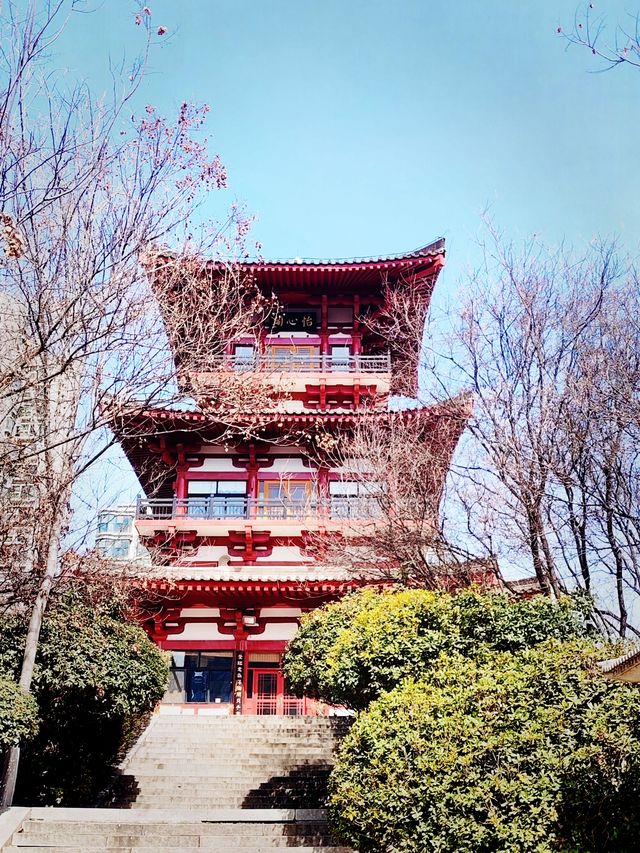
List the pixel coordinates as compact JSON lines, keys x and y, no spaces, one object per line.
{"x":436,"y":247}
{"x":342,"y":275}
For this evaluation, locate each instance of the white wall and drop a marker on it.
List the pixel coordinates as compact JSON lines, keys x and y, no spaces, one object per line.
{"x":277,"y":631}
{"x":200,"y":631}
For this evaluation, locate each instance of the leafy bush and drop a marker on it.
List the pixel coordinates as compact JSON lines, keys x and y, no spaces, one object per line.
{"x":18,"y":715}
{"x":533,"y":751}
{"x":96,"y":676}
{"x":305,"y":660}
{"x":348,"y":653}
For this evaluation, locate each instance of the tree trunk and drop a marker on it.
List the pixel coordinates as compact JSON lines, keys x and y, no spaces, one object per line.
{"x":12,"y":760}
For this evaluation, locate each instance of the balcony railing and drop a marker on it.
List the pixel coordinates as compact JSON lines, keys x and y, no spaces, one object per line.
{"x":303,"y":363}
{"x":219,"y":509}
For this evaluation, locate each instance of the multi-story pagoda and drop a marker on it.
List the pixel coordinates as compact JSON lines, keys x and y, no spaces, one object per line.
{"x":230,"y":515}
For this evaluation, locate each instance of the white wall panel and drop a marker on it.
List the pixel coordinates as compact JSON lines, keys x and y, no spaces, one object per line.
{"x":200,"y":631}
{"x":277,"y":631}
{"x":280,"y":611}
{"x":218,"y":463}
{"x":290,"y":465}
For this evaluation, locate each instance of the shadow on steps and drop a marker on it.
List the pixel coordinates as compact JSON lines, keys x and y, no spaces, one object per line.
{"x":303,"y":787}
{"x":122,"y":792}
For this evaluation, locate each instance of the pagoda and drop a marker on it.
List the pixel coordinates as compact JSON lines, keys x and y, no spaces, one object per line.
{"x":230,"y":514}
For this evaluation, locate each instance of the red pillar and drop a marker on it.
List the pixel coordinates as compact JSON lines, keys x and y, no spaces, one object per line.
{"x":323,"y":489}
{"x":252,"y":481}
{"x":356,"y":337}
{"x":324,"y":326}
{"x":180,"y":488}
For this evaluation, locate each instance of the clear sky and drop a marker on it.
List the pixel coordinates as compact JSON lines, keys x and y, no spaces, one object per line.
{"x":358,"y":127}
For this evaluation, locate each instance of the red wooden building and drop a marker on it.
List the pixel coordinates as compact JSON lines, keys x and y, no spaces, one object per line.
{"x":230,"y":518}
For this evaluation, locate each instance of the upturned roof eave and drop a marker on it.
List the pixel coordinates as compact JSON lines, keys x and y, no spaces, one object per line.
{"x":416,"y":256}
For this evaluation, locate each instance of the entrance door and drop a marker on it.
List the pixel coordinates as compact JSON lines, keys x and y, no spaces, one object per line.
{"x":269,"y":695}
{"x":268,"y":686}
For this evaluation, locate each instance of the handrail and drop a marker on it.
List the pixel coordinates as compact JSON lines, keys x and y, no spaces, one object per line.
{"x":302,"y":363}
{"x":278,"y":509}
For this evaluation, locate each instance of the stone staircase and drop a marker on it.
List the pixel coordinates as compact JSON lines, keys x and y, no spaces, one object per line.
{"x":202,"y":762}
{"x":205,"y":783}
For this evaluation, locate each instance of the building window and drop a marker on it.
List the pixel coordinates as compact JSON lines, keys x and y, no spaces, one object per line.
{"x":217,"y":498}
{"x":354,"y":499}
{"x":116,"y":549}
{"x":200,"y":677}
{"x":293,"y":357}
{"x":340,"y":316}
{"x":111,"y":523}
{"x":244,"y":356}
{"x":340,"y":356}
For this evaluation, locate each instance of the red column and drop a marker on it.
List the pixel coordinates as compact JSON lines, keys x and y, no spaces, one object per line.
{"x":180,"y":488}
{"x":252,"y":481}
{"x":356,"y":337}
{"x":324,"y":326}
{"x":323,"y":489}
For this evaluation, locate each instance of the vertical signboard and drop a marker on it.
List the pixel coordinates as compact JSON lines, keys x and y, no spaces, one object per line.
{"x":239,"y":678}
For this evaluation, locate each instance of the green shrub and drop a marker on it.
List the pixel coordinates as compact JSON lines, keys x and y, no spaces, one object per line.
{"x":304,"y":663}
{"x":533,"y":751}
{"x":348,"y":653}
{"x":18,"y":715}
{"x":96,"y":678}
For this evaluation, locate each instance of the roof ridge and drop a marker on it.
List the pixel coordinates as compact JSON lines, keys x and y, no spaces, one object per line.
{"x":433,"y":248}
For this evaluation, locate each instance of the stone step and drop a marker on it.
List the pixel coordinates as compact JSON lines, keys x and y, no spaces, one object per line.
{"x":215,"y":847}
{"x":142,"y":793}
{"x":226,"y":752}
{"x":169,"y":831}
{"x":227,"y":770}
{"x":254,"y":799}
{"x":248,"y":736}
{"x":191,"y":801}
{"x":197,"y":768}
{"x":205,"y":778}
{"x":249,"y":746}
{"x":199,"y":829}
{"x":162,"y":842}
{"x":234,"y":783}
{"x":248,"y":724}
{"x":230,"y":803}
{"x":177,"y":770}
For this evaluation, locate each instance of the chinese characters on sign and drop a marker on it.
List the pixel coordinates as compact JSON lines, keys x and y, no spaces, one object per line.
{"x":295,"y":321}
{"x":237,"y":691}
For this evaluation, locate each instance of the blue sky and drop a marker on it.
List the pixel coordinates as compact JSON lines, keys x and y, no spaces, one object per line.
{"x":352,"y":128}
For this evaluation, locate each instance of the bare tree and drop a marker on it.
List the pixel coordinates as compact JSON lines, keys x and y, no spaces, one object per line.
{"x":590,"y":31}
{"x":394,"y":466}
{"x":548,"y":474}
{"x":85,"y":193}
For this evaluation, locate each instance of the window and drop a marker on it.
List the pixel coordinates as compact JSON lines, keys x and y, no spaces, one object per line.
{"x":292,"y":357}
{"x":200,"y":677}
{"x":285,"y":498}
{"x":217,"y":498}
{"x":116,"y":549}
{"x":340,"y":357}
{"x":120,"y":549}
{"x":354,"y":499}
{"x":111,"y":523}
{"x":340,"y":315}
{"x":244,"y":356}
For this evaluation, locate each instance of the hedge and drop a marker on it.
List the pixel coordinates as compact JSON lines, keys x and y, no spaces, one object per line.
{"x":533,"y":751}
{"x":350,"y":652}
{"x":97,"y":678}
{"x":18,"y":715}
